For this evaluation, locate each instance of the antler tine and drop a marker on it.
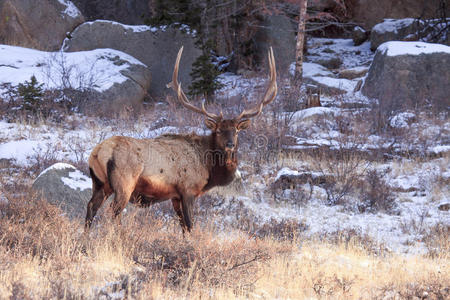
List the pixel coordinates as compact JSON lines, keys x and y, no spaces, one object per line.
{"x":270,"y":94}
{"x":176,"y":86}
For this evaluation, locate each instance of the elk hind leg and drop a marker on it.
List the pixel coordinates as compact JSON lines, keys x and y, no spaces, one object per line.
{"x":98,"y":197}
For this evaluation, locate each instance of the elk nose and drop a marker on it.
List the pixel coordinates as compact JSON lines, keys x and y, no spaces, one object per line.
{"x":230,"y":145}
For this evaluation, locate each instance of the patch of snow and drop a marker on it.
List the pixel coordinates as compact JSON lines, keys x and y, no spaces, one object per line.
{"x":134,"y":28}
{"x":77,"y":180}
{"x":311,"y":69}
{"x":337,"y":83}
{"x":19,"y":150}
{"x":401,"y":120}
{"x":286,"y":172}
{"x":314,"y":111}
{"x":440,"y":149}
{"x":57,"y":166}
{"x":86,"y":69}
{"x":393,"y":25}
{"x":71,"y":10}
{"x":395,"y":48}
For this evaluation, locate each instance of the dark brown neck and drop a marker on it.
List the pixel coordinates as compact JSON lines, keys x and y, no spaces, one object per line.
{"x":221,"y":165}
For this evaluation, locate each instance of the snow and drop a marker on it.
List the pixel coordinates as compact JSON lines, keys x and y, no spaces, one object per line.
{"x":286,"y":172}
{"x":395,"y":48}
{"x":18,"y":150}
{"x":57,"y":166}
{"x":71,"y":10}
{"x":307,"y":113}
{"x":144,"y":28}
{"x":336,"y":83}
{"x":77,"y":180}
{"x":134,"y":28}
{"x":392,"y":25}
{"x":401,"y":120}
{"x":311,"y":69}
{"x":86,"y":69}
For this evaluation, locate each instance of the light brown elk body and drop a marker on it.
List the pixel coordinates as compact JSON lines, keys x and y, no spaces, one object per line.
{"x":171,"y":167}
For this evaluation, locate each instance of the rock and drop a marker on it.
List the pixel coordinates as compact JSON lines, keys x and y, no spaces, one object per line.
{"x":291,"y":179}
{"x":128,"y":12}
{"x":155,"y":47}
{"x":405,"y":75}
{"x":331,"y":63}
{"x":37,"y":24}
{"x":359,"y":35}
{"x":368,"y":13}
{"x":309,"y":117}
{"x":444,"y":206}
{"x":65,"y":186}
{"x":279,"y":32}
{"x":324,"y":79}
{"x":394,"y":30}
{"x":111,"y":75}
{"x":322,"y":5}
{"x":353,"y":73}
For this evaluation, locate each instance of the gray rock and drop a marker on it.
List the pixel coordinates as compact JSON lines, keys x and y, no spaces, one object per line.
{"x":65,"y":186}
{"x":353,"y":73}
{"x":444,"y":206}
{"x":157,"y":48}
{"x":359,"y":35}
{"x":405,"y":75}
{"x":277,"y":31}
{"x":125,"y":11}
{"x":289,"y":179}
{"x":37,"y":24}
{"x":394,"y":30}
{"x":368,"y":13}
{"x":330,"y":63}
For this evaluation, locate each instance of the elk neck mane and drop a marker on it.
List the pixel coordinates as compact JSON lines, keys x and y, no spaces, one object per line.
{"x":211,"y":156}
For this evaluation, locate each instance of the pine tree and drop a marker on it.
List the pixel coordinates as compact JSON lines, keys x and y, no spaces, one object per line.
{"x":205,"y":75}
{"x":32,"y":93}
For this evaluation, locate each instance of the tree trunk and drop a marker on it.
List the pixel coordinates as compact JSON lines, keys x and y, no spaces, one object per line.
{"x":298,"y":75}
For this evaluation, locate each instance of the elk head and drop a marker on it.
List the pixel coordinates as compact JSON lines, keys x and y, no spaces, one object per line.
{"x":225,"y":131}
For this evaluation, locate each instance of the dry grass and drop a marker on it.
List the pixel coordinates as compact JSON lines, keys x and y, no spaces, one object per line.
{"x":43,"y":255}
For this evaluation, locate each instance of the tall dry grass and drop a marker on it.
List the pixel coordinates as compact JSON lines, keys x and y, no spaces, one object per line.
{"x":43,"y":255}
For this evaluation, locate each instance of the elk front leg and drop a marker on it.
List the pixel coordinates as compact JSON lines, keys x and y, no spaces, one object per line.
{"x":177,"y":207}
{"x":187,"y":203}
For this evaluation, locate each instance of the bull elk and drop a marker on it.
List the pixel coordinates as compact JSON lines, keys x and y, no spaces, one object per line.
{"x":170,"y":167}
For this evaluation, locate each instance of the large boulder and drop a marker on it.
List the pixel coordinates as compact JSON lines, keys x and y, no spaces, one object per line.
{"x":37,"y":24}
{"x":276,"y":31}
{"x":111,"y":75}
{"x":394,"y":30}
{"x":409,"y":74}
{"x":65,"y":186}
{"x":368,"y":13}
{"x":155,"y":47}
{"x":128,"y":12}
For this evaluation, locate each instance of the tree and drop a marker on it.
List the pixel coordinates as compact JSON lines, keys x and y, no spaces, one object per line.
{"x":32,"y":93}
{"x":298,"y":75}
{"x":205,"y":74}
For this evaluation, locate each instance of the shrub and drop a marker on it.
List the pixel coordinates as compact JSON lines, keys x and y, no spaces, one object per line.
{"x":376,"y":194}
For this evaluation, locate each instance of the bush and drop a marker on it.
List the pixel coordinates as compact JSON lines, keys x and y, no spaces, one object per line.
{"x":376,"y":194}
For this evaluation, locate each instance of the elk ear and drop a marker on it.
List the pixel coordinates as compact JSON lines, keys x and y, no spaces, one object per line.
{"x":243,"y":125}
{"x":211,"y":124}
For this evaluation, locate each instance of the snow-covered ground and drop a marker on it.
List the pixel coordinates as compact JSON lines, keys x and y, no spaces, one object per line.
{"x":414,"y":182}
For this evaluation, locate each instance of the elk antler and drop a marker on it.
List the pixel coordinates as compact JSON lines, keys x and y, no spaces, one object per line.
{"x":270,"y":94}
{"x":176,"y":86}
